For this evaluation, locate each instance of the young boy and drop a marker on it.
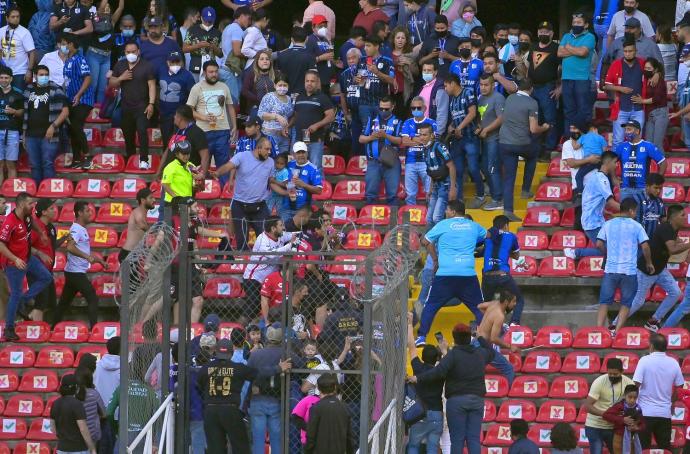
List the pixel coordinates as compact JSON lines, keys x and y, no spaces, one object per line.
{"x":593,"y":144}
{"x":521,"y":444}
{"x":329,"y":427}
{"x":628,"y":421}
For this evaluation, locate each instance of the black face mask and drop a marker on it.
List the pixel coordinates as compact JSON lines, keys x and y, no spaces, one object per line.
{"x":629,"y":10}
{"x":502,"y":41}
{"x":524,"y":46}
{"x":629,"y":36}
{"x":476,"y":42}
{"x":615,"y":380}
{"x":544,"y":39}
{"x":385,"y":114}
{"x":442,"y":34}
{"x":465,"y":53}
{"x":574,"y":135}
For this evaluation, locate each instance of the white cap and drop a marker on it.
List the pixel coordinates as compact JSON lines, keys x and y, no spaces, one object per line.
{"x":299,"y":146}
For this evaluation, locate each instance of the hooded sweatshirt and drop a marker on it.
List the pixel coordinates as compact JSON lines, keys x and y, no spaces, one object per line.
{"x":107,"y":376}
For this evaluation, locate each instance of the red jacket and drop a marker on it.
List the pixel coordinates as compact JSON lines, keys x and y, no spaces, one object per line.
{"x":614,"y":77}
{"x":615,"y":416}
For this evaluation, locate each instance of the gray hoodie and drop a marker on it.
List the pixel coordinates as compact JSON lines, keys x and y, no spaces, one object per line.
{"x":107,"y":376}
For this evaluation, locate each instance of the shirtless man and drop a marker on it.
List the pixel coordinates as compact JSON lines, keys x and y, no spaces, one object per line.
{"x":491,"y":328}
{"x":137,"y":224}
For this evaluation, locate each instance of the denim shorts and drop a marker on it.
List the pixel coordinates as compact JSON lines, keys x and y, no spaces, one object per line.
{"x":9,"y":145}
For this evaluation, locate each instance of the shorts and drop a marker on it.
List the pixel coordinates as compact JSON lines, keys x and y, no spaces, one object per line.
{"x":9,"y":145}
{"x":197,"y":283}
{"x":612,"y":281}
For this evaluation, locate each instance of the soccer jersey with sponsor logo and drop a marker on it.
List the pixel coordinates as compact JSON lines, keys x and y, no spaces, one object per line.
{"x":456,"y":240}
{"x":635,"y":162}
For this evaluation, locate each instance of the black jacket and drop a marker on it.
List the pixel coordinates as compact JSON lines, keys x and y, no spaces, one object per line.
{"x":329,"y":430}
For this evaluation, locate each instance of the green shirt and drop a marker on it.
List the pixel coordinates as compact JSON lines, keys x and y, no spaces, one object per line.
{"x":178,"y":177}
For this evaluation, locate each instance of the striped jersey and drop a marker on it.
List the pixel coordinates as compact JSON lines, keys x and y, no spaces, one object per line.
{"x":75,"y":71}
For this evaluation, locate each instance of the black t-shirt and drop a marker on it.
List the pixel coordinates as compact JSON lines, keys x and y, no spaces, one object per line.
{"x":295,"y":62}
{"x":196,"y":138}
{"x":543,"y":63}
{"x":102,"y":37}
{"x":135,"y":92}
{"x":39,"y":110}
{"x":657,"y":243}
{"x":310,"y":110}
{"x":450,"y":44}
{"x":221,"y":381}
{"x":431,"y":392}
{"x":15,"y":100}
{"x":66,"y":411}
{"x":77,"y":15}
{"x":195,"y":35}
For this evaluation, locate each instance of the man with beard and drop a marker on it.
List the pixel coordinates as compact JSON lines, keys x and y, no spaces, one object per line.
{"x":158,"y":47}
{"x":137,"y":224}
{"x":18,"y":49}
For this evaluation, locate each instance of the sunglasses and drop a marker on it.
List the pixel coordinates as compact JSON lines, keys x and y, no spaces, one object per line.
{"x":417,"y":108}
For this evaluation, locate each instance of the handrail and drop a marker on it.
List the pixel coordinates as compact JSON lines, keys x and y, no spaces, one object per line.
{"x":166,"y":436}
{"x":387,"y":414}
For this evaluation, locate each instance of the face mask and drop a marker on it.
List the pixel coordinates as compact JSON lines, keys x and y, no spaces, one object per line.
{"x":502,"y":42}
{"x":322,"y":32}
{"x":206,"y":27}
{"x":544,"y":39}
{"x":574,"y":135}
{"x":524,"y":47}
{"x":281,"y":91}
{"x":476,"y":42}
{"x":649,"y":74}
{"x":386,"y":114}
{"x":428,"y":77}
{"x":629,"y":10}
{"x":335,"y":99}
{"x":513,"y":39}
{"x":465,"y":53}
{"x":629,"y":36}
{"x":127,"y":33}
{"x":64,"y":50}
{"x":628,"y":136}
{"x":43,"y":80}
{"x":175,"y":69}
{"x":418,"y":113}
{"x":578,"y":29}
{"x":468,"y":16}
{"x":615,"y":380}
{"x":132,"y":58}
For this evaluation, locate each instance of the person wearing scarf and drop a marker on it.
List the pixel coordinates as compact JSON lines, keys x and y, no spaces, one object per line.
{"x":627,"y":419}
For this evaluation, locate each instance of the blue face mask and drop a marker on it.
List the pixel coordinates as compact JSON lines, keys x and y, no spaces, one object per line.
{"x":64,"y":50}
{"x":335,"y":99}
{"x":417,"y":113}
{"x":628,"y":136}
{"x":42,"y":80}
{"x":428,"y":77}
{"x":127,"y":33}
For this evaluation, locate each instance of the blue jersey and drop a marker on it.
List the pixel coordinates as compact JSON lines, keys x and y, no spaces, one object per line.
{"x":349,"y":88}
{"x":436,"y":156}
{"x":374,"y":88}
{"x":635,"y":162}
{"x":650,"y":210}
{"x":310,"y":175}
{"x":455,"y":240}
{"x":392,"y":127}
{"x":622,"y":236}
{"x":249,"y":143}
{"x":458,"y":109}
{"x":497,"y":251}
{"x":409,"y":129}
{"x":469,"y":73}
{"x":75,"y":71}
{"x":174,"y":90}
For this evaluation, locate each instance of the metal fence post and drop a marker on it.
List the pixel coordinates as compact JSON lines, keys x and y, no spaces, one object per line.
{"x":183,"y":301}
{"x":287,"y":327}
{"x":165,"y":316}
{"x":123,"y":421}
{"x":364,"y":409}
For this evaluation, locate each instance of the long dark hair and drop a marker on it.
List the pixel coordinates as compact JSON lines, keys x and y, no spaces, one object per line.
{"x":657,"y":65}
{"x":85,"y":381}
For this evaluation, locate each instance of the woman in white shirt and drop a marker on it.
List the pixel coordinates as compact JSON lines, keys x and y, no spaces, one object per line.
{"x":254,"y":40}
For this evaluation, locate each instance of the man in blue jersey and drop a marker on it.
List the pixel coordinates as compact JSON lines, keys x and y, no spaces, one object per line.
{"x":415,"y":167}
{"x":252,"y":130}
{"x":381,"y":131}
{"x":635,"y":155}
{"x":304,"y":182}
{"x":441,"y":170}
{"x":504,"y":84}
{"x":650,"y":207}
{"x":350,"y":94}
{"x":469,"y":69}
{"x":451,"y":244}
{"x":500,"y":246}
{"x":376,"y":74}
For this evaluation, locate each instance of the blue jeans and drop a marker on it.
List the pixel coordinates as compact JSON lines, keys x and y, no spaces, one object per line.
{"x":577,"y":102}
{"x":426,"y":279}
{"x":685,"y":124}
{"x":612,"y":281}
{"x":219,"y":146}
{"x":99,"y":65}
{"x":431,"y":428}
{"x":624,"y":117}
{"x":391,"y":179}
{"x":9,"y":145}
{"x":491,"y":283}
{"x":597,"y":438}
{"x":264,"y":413}
{"x":41,"y":157}
{"x":589,"y":251}
{"x":664,"y":280}
{"x":232,"y":81}
{"x":678,"y":314}
{"x":467,"y":147}
{"x":510,"y":155}
{"x":414,"y":172}
{"x":198,"y":437}
{"x":438,"y":201}
{"x":364,"y":112}
{"x":450,"y":291}
{"x":630,"y":192}
{"x":548,"y":113}
{"x":492,"y":167}
{"x":464,"y":414}
{"x":501,"y":364}
{"x":15,"y":280}
{"x":315,"y":150}
{"x":282,"y":142}
{"x":355,"y":131}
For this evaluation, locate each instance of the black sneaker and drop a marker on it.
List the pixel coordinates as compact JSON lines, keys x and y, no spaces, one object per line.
{"x":76,"y":163}
{"x":85,"y":164}
{"x":10,"y":335}
{"x":21,"y":313}
{"x":653,"y":325}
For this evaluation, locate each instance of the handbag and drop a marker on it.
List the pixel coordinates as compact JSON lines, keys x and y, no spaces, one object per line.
{"x":414,"y":410}
{"x":388,"y":156}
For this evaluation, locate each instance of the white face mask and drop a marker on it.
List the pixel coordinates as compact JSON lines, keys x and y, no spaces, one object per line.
{"x":282,"y":90}
{"x":175,"y":69}
{"x":132,"y":58}
{"x":322,"y":32}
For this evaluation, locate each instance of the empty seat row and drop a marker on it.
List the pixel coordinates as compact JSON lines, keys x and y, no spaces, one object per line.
{"x":38,"y":429}
{"x":114,"y":138}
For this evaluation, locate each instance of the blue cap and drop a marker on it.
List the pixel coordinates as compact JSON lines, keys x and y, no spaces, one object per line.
{"x":212,"y":322}
{"x":208,"y":15}
{"x":685,"y":51}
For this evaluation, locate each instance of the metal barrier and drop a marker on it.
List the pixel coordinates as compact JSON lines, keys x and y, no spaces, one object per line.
{"x":165,"y":444}
{"x":390,"y":434}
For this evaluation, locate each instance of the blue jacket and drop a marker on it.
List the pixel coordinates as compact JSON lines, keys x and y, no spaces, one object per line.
{"x":462,"y":29}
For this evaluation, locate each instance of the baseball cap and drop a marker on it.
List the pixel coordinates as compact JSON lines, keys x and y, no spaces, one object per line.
{"x":274,"y":333}
{"x":318,"y":19}
{"x":175,"y":56}
{"x":685,"y":51}
{"x":42,"y":205}
{"x":545,"y":25}
{"x":208,"y":14}
{"x":253,"y":121}
{"x":224,"y":349}
{"x":155,"y":21}
{"x":299,"y":146}
{"x":212,"y":322}
{"x":633,"y":22}
{"x":69,"y":380}
{"x":207,"y":340}
{"x":633,"y":123}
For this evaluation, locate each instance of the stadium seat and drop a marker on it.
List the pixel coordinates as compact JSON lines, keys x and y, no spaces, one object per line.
{"x":567,"y":239}
{"x":514,"y":359}
{"x":356,"y":166}
{"x":227,"y":192}
{"x":326,"y":193}
{"x":677,"y":270}
{"x":28,"y":447}
{"x":556,"y":267}
{"x":127,"y":188}
{"x":211,"y":190}
{"x":132,"y":165}
{"x":678,"y":338}
{"x":554,"y":191}
{"x":658,"y":294}
{"x":12,"y":428}
{"x":102,"y":237}
{"x":113,"y":262}
{"x":677,"y":437}
{"x":592,"y":337}
{"x":558,"y":168}
{"x":527,"y":268}
{"x":154,"y":136}
{"x":9,"y":380}
{"x":96,"y":350}
{"x":70,"y":332}
{"x":114,"y":138}
{"x":414,"y":242}
{"x":350,"y":190}
{"x":529,"y":386}
{"x":103,"y":331}
{"x":417,"y":214}
{"x":113,"y":213}
{"x":342,"y":213}
{"x":496,"y":385}
{"x":374,"y":215}
{"x":677,"y":168}
{"x":226,"y":328}
{"x":362,"y":239}
{"x":24,"y":405}
{"x":95,"y":117}
{"x":35,"y":332}
{"x":92,"y":188}
{"x":631,"y":338}
{"x":23,"y":164}
{"x":67,"y":214}
{"x":580,"y":362}
{"x":49,"y":405}
{"x":590,"y":267}
{"x":232,"y":268}
{"x":41,"y":430}
{"x":520,"y":336}
{"x":554,"y":337}
{"x":55,"y":188}
{"x":60,"y":261}
{"x":347,"y":264}
{"x":569,"y":387}
{"x":93,"y":137}
{"x":55,"y":357}
{"x":333,"y":164}
{"x":107,"y":286}
{"x":156,"y":189}
{"x":542,"y":216}
{"x":541,"y":362}
{"x":553,"y":411}
{"x":540,"y":434}
{"x":107,"y":163}
{"x":678,"y":412}
{"x":223,"y":287}
{"x":533,"y":240}
{"x":568,"y":218}
{"x":219,"y":213}
{"x":498,"y":435}
{"x":489,"y":411}
{"x":516,"y":409}
{"x":672,"y":192}
{"x":17,"y":356}
{"x":629,"y":360}
{"x":204,"y":242}
{"x":13,"y":186}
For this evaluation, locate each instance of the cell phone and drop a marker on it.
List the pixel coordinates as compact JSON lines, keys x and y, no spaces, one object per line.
{"x":438,"y":336}
{"x":437,"y":49}
{"x":370,"y":60}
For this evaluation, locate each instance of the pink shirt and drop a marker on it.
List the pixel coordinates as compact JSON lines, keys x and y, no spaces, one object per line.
{"x":426,"y":94}
{"x":302,"y":410}
{"x":316,"y":8}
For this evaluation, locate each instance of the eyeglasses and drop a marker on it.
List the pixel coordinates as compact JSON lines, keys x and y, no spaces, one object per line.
{"x":417,"y":108}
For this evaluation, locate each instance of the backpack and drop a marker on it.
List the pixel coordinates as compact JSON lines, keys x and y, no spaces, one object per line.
{"x":414,"y":409}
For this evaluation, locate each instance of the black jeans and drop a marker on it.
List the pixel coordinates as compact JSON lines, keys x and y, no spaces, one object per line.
{"x":491,"y":284}
{"x":135,"y":122}
{"x":661,"y":428}
{"x":167,"y":126}
{"x":252,"y":298}
{"x":77,"y":283}
{"x":47,"y":298}
{"x":77,"y":118}
{"x":223,"y":423}
{"x":245,"y":215}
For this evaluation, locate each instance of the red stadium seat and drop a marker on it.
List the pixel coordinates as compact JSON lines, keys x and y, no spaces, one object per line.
{"x":414,"y":242}
{"x":113,"y":213}
{"x":17,"y":356}
{"x":12,"y":428}
{"x":520,"y":336}
{"x":227,"y":192}
{"x":9,"y":380}
{"x":558,"y":168}
{"x":226,"y":328}
{"x":92,"y":188}
{"x":568,"y":218}
{"x":496,"y":385}
{"x":102,"y":237}
{"x":55,"y":188}
{"x":93,"y":137}
{"x":567,"y":239}
{"x":590,"y":267}
{"x":114,"y":138}
{"x":29,"y":447}
{"x":127,"y":188}
{"x":417,"y":214}
{"x":516,"y":409}
{"x":219,"y":213}
{"x":63,"y":162}
{"x":155,"y":139}
{"x":540,"y":434}
{"x":554,"y":337}
{"x":232,"y":268}
{"x":553,"y":411}
{"x":554,"y":191}
{"x":132,"y":165}
{"x":541,"y":216}
{"x":41,"y":430}
{"x":24,"y":405}
{"x":677,"y":168}
{"x":13,"y":186}
{"x":349,"y":190}
{"x":55,"y":357}
{"x":592,"y":337}
{"x":347,"y":264}
{"x":527,"y":268}
{"x":356,"y":166}
{"x":677,"y":270}
{"x":113,"y":262}
{"x":677,"y":437}
{"x":333,"y":164}
{"x":156,"y":189}
{"x":103,"y":331}
{"x":533,"y":240}
{"x":107,"y":163}
{"x":678,"y":413}
{"x":529,"y":386}
{"x":106,"y":286}
{"x":342,"y":213}
{"x":631,"y":338}
{"x":60,"y":261}
{"x":223,"y":287}
{"x":35,"y":332}
{"x":94,"y":116}
{"x":374,"y":215}
{"x":211,"y":190}
{"x":498,"y":435}
{"x":514,"y":359}
{"x":672,"y":192}
{"x":556,"y":267}
{"x":49,"y":405}
{"x":67,"y":215}
{"x":678,"y":338}
{"x":542,"y":362}
{"x":489,"y":411}
{"x":658,"y":293}
{"x":580,"y":362}
{"x":629,"y":360}
{"x":362,"y":239}
{"x":569,"y":387}
{"x":70,"y":332}
{"x":326,"y":193}
{"x":96,"y":350}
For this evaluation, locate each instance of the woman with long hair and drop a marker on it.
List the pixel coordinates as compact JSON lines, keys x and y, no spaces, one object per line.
{"x":655,"y":103}
{"x":669,"y":51}
{"x":93,"y":404}
{"x":258,"y":80}
{"x":406,"y":68}
{"x":275,"y":109}
{"x":158,"y":8}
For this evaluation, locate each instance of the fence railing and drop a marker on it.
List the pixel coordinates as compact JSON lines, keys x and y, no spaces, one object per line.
{"x":375,"y":435}
{"x":167,"y":437}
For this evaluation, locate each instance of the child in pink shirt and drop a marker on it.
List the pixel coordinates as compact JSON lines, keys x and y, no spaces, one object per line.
{"x":300,"y":415}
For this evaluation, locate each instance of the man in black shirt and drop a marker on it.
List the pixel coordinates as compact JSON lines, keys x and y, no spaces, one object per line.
{"x":11,"y":112}
{"x":296,"y":60}
{"x":69,"y":16}
{"x":329,"y":428}
{"x":314,"y":113}
{"x":186,"y":129}
{"x":440,"y":46}
{"x":69,"y":419}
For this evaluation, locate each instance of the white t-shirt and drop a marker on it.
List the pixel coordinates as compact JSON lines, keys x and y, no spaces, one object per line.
{"x":56,"y":66}
{"x":81,"y":238}
{"x":568,"y":152}
{"x":16,"y":45}
{"x":657,"y":374}
{"x":312,"y":378}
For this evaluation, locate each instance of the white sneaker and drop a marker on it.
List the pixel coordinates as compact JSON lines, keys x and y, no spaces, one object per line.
{"x":569,"y":252}
{"x":144,"y":165}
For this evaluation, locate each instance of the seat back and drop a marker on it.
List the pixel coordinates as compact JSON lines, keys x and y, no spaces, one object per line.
{"x":55,"y":187}
{"x":55,"y":357}
{"x":533,"y":240}
{"x":554,"y":337}
{"x":580,"y":362}
{"x":92,"y":188}
{"x":569,"y":387}
{"x":333,"y":164}
{"x":541,"y":216}
{"x":349,"y":190}
{"x":631,"y":338}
